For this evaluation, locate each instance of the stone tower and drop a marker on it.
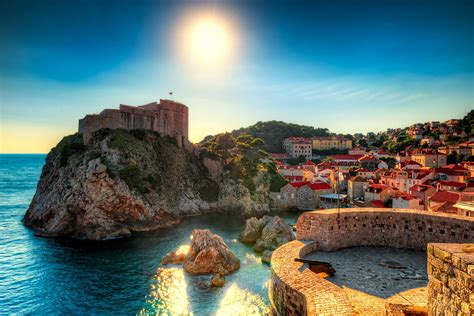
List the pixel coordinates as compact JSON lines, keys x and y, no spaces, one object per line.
{"x":166,"y":117}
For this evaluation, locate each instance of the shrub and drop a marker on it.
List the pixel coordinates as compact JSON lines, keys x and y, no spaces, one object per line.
{"x":249,"y":184}
{"x":132,"y":176}
{"x":171,"y":140}
{"x":155,"y":181}
{"x":70,"y":145}
{"x":139,"y":133}
{"x":277,"y":182}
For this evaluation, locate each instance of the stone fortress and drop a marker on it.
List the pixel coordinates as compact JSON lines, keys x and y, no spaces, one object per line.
{"x":166,"y":117}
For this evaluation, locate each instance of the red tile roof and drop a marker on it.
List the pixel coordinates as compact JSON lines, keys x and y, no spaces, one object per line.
{"x":279,"y":156}
{"x":293,"y":178}
{"x":377,"y":203}
{"x":309,"y":163}
{"x":409,"y":162}
{"x":406,"y":196}
{"x":444,"y":196}
{"x":454,"y":167}
{"x":453,"y":184}
{"x":319,"y":185}
{"x":378,"y":188}
{"x":420,"y":188}
{"x":298,"y":184}
{"x":315,"y":186}
{"x":346,"y":157}
{"x":278,"y":162}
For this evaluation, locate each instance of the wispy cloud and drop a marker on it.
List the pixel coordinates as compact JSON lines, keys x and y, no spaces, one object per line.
{"x":343,"y":90}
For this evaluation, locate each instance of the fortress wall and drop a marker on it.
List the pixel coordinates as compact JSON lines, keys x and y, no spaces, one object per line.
{"x":395,"y":228}
{"x":167,"y":118}
{"x":451,"y":280}
{"x":296,"y":290}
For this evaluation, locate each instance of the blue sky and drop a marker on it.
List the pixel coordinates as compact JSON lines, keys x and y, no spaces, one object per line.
{"x":350,"y":66}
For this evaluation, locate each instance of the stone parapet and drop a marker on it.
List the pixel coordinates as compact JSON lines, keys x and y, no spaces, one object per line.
{"x":405,"y":229}
{"x":451,"y":279}
{"x":296,"y":290}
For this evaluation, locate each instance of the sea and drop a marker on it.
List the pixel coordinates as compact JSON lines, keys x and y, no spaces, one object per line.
{"x":54,"y":276}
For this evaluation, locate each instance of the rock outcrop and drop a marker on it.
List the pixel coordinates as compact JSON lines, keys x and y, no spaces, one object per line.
{"x":266,"y":234}
{"x":127,"y":181}
{"x":276,"y":233}
{"x":209,"y":254}
{"x":217,"y":280}
{"x":173,"y":257}
{"x":235,"y":198}
{"x":253,"y":229}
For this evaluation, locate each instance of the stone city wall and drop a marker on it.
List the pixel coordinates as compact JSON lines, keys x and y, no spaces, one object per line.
{"x":451,"y":279}
{"x":295,"y":290}
{"x":405,"y":229}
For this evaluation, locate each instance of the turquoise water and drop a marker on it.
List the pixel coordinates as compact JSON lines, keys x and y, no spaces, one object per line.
{"x":62,"y":276}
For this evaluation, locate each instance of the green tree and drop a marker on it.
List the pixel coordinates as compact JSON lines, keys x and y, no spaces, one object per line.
{"x":391,"y":162}
{"x":452,"y":158}
{"x":223,"y":144}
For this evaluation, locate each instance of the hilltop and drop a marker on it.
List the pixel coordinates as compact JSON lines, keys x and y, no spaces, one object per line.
{"x":273,"y":133}
{"x":393,"y":140}
{"x":122,"y":182}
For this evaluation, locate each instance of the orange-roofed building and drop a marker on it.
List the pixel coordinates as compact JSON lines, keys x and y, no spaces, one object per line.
{"x":303,"y":195}
{"x":443,"y":201}
{"x":407,"y":201}
{"x":379,"y":192}
{"x":310,"y":166}
{"x":423,"y":192}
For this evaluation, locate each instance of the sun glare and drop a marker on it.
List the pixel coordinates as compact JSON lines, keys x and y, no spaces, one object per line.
{"x":207,"y":40}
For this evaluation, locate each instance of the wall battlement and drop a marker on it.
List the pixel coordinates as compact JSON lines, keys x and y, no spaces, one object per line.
{"x":166,"y":117}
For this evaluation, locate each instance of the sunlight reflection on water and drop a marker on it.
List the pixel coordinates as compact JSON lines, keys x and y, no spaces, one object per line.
{"x":239,"y":301}
{"x":168,"y":296}
{"x":168,"y":292}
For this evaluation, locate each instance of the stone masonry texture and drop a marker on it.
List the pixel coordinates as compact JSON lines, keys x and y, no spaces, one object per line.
{"x":166,"y":117}
{"x":451,"y":279}
{"x":295,"y":290}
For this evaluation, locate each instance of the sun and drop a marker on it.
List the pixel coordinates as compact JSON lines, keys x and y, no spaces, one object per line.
{"x":207,"y":39}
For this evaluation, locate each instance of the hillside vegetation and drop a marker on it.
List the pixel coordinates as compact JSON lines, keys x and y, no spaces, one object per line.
{"x":273,"y":132}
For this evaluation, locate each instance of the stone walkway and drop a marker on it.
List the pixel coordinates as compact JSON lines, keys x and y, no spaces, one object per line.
{"x":366,"y":304}
{"x":376,"y":279}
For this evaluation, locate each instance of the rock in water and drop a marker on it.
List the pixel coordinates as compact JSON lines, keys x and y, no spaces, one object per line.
{"x":267,"y":256}
{"x":209,"y":254}
{"x":267,"y":234}
{"x":253,"y":229}
{"x":276,"y":233}
{"x":173,"y":258}
{"x":217,"y":280}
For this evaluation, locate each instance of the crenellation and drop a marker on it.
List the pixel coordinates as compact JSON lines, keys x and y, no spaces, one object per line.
{"x":166,"y":117}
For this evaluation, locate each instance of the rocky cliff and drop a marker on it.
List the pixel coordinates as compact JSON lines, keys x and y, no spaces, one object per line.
{"x":126,"y":181}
